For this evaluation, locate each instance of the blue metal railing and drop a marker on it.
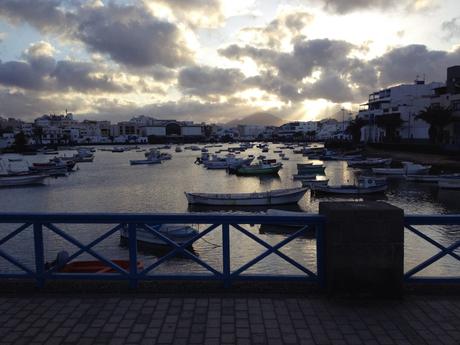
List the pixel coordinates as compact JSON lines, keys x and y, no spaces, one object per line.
{"x":227,"y":223}
{"x":410,"y":222}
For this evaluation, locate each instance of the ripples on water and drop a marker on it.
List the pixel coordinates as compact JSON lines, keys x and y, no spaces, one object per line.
{"x":110,"y":184}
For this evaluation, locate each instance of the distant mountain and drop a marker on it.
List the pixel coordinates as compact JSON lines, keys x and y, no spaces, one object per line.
{"x":261,"y":118}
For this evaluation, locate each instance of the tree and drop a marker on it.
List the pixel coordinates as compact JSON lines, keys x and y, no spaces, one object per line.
{"x":354,"y":128}
{"x":20,"y":142}
{"x":390,"y":123}
{"x":438,"y":118}
{"x":38,"y":134}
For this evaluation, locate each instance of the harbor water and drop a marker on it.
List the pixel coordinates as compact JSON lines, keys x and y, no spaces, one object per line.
{"x":111,"y":185}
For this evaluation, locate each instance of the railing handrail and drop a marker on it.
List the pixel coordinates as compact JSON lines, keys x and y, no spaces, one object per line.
{"x":171,"y":218}
{"x":437,"y":219}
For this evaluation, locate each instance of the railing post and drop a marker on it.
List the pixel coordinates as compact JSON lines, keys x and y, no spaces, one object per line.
{"x":320,"y":266}
{"x":39,"y":255}
{"x":226,"y":254}
{"x":132,"y":244}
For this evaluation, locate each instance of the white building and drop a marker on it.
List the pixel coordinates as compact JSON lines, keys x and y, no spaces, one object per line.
{"x":448,"y":96}
{"x":289,"y":129}
{"x":402,"y":104}
{"x":250,"y":132}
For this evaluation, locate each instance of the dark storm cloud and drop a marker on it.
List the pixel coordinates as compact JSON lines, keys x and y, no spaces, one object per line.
{"x":46,"y":15}
{"x":207,"y":81}
{"x":452,"y":28}
{"x":45,"y":74}
{"x":126,"y":33}
{"x":129,"y":35}
{"x":404,"y":64}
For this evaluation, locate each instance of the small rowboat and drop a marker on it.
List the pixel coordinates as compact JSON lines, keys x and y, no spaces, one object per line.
{"x":273,"y":197}
{"x":90,"y":266}
{"x":365,"y":185}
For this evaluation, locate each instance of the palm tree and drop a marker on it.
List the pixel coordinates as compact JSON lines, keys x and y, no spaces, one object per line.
{"x":390,"y":123}
{"x":438,"y":118}
{"x":354,"y":128}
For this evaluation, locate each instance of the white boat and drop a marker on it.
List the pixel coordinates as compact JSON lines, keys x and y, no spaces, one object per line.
{"x":230,"y":162}
{"x":273,"y":197}
{"x":21,"y":180}
{"x":152,"y":158}
{"x":408,"y":168}
{"x":366,"y":185}
{"x":449,"y":183}
{"x":179,"y":233}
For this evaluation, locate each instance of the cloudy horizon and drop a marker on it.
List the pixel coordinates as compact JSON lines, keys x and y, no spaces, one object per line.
{"x":216,"y":60}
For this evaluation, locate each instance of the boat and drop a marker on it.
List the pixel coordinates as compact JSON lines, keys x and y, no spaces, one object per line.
{"x":152,"y":158}
{"x":22,"y":180}
{"x":259,"y":169}
{"x":118,"y":149}
{"x":449,"y":183}
{"x":229,"y":162}
{"x":178,"y":233}
{"x":286,"y":227}
{"x":265,"y":149}
{"x":303,"y":176}
{"x":370,"y":162}
{"x":367,"y":185}
{"x":315,"y":182}
{"x":273,"y":197}
{"x":306,"y":169}
{"x":285,"y":158}
{"x":429,"y":178}
{"x":89,"y":266}
{"x":154,"y":153}
{"x":178,"y":149}
{"x":408,"y":168}
{"x":51,"y":168}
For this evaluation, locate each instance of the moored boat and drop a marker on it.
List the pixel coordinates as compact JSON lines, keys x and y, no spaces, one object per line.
{"x":21,"y":180}
{"x":366,"y":185}
{"x":259,"y":169}
{"x":449,"y":183}
{"x":178,"y":233}
{"x":273,"y":197}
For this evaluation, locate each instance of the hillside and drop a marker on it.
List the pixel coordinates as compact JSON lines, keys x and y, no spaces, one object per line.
{"x":261,"y":118}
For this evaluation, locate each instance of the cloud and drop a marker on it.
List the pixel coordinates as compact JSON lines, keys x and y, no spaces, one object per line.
{"x":46,"y":15}
{"x":207,"y":82}
{"x":404,"y":64}
{"x":132,"y":37}
{"x":129,"y":34}
{"x":283,"y":29}
{"x":346,"y":6}
{"x":39,"y":71}
{"x":452,"y":28}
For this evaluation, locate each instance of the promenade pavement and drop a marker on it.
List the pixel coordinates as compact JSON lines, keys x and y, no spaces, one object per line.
{"x":226,"y":319}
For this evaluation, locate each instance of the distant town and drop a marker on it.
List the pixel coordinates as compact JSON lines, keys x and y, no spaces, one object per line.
{"x":419,"y":112}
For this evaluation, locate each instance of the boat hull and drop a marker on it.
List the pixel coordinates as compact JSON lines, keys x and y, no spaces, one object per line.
{"x":248,"y":199}
{"x":12,"y":181}
{"x":350,"y":191}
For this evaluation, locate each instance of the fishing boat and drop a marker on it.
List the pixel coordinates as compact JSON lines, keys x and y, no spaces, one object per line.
{"x":51,"y":169}
{"x":229,"y":162}
{"x":273,"y":197}
{"x":259,"y":169}
{"x":449,"y":183}
{"x":178,"y":233}
{"x":367,"y":185}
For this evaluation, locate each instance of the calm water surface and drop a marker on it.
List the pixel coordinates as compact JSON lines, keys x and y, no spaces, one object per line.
{"x":110,"y":184}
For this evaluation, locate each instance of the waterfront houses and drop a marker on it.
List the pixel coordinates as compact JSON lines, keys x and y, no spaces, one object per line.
{"x":391,"y":113}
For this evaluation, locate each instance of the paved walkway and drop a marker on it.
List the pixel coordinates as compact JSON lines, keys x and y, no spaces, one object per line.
{"x":144,"y":319}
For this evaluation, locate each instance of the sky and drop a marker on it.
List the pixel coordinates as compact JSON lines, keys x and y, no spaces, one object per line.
{"x":216,"y":60}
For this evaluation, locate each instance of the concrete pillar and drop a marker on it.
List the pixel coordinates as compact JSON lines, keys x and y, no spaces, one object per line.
{"x":364,"y":248}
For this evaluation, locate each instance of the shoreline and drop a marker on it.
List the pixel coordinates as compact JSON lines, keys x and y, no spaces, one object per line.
{"x":438,"y":161}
